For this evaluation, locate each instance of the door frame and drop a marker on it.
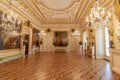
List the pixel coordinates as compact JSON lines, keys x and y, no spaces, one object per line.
{"x":76,"y":44}
{"x":28,"y":43}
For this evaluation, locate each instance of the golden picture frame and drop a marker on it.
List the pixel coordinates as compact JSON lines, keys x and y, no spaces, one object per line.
{"x":60,"y":38}
{"x":7,"y":40}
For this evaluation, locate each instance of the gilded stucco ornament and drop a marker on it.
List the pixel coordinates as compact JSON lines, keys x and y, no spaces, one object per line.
{"x":117,"y":9}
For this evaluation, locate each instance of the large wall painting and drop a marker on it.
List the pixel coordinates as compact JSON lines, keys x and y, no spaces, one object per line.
{"x":60,"y":38}
{"x":10,"y":29}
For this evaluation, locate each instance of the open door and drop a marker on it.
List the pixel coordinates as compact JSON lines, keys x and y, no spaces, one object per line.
{"x":26,"y":44}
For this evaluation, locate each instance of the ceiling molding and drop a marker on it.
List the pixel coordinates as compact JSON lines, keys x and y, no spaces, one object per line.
{"x":83,"y":10}
{"x":33,"y":1}
{"x":81,"y":2}
{"x":61,"y":27}
{"x":69,"y":6}
{"x":71,"y":12}
{"x":24,"y":16}
{"x":40,"y":16}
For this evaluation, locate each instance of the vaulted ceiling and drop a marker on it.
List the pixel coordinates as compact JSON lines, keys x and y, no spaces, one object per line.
{"x":56,"y":12}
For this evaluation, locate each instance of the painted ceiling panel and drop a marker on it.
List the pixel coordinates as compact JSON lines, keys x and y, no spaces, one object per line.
{"x":55,"y":4}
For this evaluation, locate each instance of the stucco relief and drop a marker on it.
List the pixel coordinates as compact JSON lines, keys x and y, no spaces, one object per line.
{"x":117,"y":33}
{"x":117,"y":9}
{"x":67,"y":13}
{"x":117,"y":25}
{"x":57,"y":4}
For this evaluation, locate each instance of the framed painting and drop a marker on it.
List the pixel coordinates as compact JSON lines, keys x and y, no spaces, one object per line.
{"x":60,"y":38}
{"x":9,"y":40}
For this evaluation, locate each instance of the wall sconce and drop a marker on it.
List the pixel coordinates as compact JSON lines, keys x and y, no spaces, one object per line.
{"x":42,"y":33}
{"x":48,"y":30}
{"x":27,"y":23}
{"x":91,"y":31}
{"x":76,"y":33}
{"x":72,"y":30}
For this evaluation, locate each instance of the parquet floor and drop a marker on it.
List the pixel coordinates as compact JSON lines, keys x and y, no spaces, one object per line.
{"x":57,"y":66}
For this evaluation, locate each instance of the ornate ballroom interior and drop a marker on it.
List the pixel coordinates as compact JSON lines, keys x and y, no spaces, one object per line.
{"x":59,"y":39}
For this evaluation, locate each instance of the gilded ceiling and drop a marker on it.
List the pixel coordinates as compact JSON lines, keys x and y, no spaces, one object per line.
{"x":56,"y":4}
{"x":55,"y":12}
{"x":117,"y":9}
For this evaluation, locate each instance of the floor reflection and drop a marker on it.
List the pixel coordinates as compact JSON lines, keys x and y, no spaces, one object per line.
{"x":57,"y":66}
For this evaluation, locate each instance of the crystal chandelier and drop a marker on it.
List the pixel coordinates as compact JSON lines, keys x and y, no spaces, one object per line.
{"x":98,"y":16}
{"x":9,"y":20}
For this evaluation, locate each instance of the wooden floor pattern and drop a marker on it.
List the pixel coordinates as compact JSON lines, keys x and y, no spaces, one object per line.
{"x":57,"y":66}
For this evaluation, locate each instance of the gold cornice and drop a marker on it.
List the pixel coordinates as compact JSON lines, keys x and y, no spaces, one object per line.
{"x":38,"y":8}
{"x":88,"y":6}
{"x":79,"y":9}
{"x":23,"y":14}
{"x":41,"y":17}
{"x":69,"y":6}
{"x":61,"y":27}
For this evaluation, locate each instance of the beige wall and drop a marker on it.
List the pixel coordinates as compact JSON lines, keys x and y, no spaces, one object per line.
{"x":115,"y":52}
{"x":48,"y":41}
{"x":116,"y":25}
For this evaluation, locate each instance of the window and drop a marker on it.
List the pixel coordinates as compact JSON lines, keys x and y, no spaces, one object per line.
{"x":107,"y":41}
